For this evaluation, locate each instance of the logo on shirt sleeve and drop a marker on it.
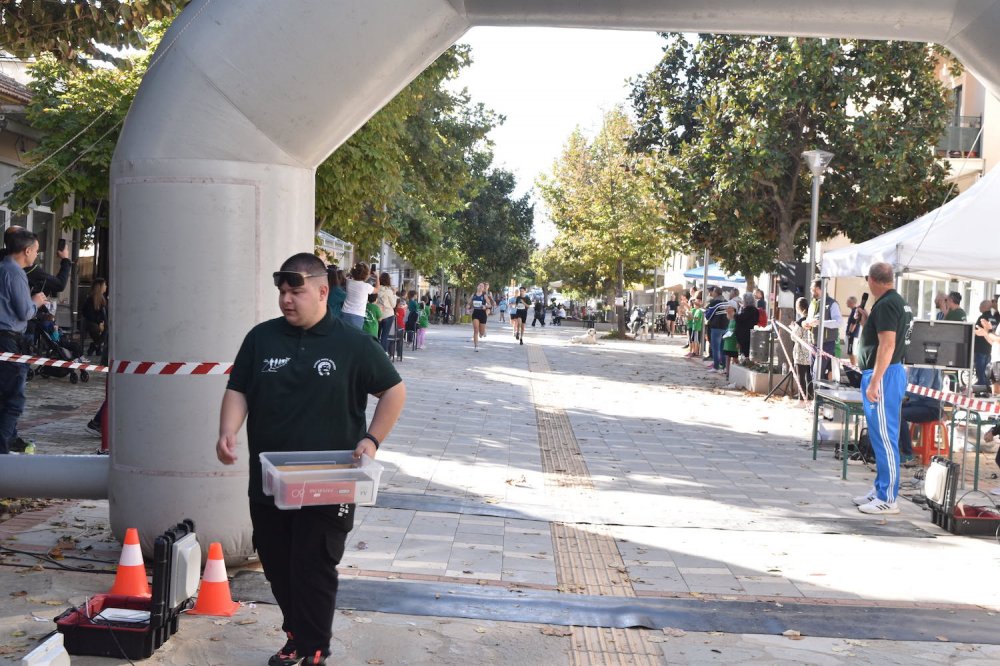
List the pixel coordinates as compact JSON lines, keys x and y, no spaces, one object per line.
{"x":324,"y":367}
{"x":274,"y":364}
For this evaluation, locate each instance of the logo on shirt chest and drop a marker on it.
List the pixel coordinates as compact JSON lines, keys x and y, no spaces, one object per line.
{"x":324,"y":367}
{"x":274,"y":364}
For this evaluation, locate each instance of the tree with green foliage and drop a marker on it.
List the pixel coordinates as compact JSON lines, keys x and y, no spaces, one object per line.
{"x":78,"y":31}
{"x":79,"y":113}
{"x":726,"y":119}
{"x":409,"y":169}
{"x":493,"y":233}
{"x":599,"y":197}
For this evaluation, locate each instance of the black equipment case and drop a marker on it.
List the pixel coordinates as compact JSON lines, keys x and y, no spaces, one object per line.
{"x":86,"y":634}
{"x":949,"y":511}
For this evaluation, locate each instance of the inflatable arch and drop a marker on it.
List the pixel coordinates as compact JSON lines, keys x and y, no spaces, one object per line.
{"x":212,"y":184}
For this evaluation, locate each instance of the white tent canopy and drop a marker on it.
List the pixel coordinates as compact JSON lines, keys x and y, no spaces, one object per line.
{"x":955,"y":240}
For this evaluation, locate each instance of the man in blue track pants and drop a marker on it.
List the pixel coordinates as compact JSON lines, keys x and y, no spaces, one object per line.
{"x":883,"y":340}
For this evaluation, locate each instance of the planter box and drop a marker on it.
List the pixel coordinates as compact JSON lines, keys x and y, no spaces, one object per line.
{"x":755,"y":382}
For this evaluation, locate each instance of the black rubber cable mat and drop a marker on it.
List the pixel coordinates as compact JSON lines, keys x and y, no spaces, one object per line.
{"x":702,"y":615}
{"x":802,"y":525}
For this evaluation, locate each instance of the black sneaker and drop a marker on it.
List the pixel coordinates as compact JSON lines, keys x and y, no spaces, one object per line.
{"x":286,"y":656}
{"x":94,"y":428}
{"x":22,"y":446}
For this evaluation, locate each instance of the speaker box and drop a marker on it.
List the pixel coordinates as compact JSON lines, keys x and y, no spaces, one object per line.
{"x":759,"y":346}
{"x":792,"y":277}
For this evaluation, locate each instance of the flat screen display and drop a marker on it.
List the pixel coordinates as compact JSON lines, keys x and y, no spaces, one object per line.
{"x":940,"y":344}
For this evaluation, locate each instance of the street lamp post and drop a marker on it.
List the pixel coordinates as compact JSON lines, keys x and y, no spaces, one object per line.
{"x":817,"y":161}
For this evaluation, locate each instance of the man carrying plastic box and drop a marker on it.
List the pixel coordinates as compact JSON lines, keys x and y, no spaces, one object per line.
{"x":301,"y":382}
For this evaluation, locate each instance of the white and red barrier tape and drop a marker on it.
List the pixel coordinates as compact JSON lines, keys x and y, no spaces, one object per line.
{"x":124,"y":367}
{"x":957,"y":399}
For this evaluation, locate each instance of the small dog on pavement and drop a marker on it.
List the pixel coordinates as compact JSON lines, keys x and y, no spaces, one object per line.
{"x":588,"y":338}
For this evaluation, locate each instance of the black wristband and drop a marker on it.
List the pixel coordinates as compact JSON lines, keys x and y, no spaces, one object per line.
{"x":374,"y":439}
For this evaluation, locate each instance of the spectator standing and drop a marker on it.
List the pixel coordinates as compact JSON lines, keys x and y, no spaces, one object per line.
{"x":760,"y":302}
{"x":372,"y":315}
{"x":730,"y":346}
{"x":338,"y":290}
{"x":745,"y":321}
{"x":423,"y":322}
{"x":831,"y":325}
{"x":412,"y":315}
{"x":502,"y":309}
{"x":355,"y":304}
{"x":982,"y":347}
{"x":955,"y":311}
{"x":539,"y":312}
{"x":17,"y":306}
{"x":717,"y":323}
{"x":883,"y":383}
{"x":95,"y":316}
{"x":941,"y":303}
{"x":802,"y":354}
{"x":386,"y":301}
{"x":853,"y":328}
{"x":696,"y":325}
{"x":303,"y":380}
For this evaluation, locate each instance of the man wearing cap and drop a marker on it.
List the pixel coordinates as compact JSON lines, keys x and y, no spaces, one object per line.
{"x":301,"y":382}
{"x":884,"y":336}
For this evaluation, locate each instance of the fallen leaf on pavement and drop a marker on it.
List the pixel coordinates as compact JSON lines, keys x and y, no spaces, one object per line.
{"x":676,"y":633}
{"x":557,"y":631}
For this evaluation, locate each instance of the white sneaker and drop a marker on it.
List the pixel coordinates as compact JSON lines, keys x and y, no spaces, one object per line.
{"x":865,"y":499}
{"x":877,"y":506}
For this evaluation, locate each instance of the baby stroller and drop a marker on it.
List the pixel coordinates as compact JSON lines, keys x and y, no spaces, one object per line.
{"x":45,"y":339}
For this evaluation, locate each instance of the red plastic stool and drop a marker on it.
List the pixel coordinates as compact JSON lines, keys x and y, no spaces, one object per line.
{"x":925,"y":444}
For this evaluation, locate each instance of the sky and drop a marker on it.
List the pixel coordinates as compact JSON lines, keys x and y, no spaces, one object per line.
{"x":548,"y":81}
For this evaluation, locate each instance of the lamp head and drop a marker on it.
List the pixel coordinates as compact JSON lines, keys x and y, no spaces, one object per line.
{"x":817,"y":161}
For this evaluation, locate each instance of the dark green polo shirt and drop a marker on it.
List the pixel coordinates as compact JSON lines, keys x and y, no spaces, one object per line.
{"x":307,"y":390}
{"x":890,"y":313}
{"x":958,"y":314}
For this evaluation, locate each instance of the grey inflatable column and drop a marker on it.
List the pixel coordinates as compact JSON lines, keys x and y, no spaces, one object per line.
{"x":212,"y":186}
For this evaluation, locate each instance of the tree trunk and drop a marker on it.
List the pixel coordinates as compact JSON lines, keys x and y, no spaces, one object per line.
{"x":620,"y":309}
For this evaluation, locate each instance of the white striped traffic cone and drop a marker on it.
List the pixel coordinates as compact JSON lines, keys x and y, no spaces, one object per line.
{"x":130,"y":580}
{"x":213,"y":596}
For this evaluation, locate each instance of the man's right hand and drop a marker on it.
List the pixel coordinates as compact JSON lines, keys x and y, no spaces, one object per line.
{"x":40,"y":299}
{"x":64,"y":253}
{"x":225,"y":449}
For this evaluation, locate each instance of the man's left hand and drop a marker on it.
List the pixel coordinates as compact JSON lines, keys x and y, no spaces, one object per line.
{"x":365,"y":447}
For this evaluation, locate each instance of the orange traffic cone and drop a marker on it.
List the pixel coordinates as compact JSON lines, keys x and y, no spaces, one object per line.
{"x":130,"y":580}
{"x":213,"y":596}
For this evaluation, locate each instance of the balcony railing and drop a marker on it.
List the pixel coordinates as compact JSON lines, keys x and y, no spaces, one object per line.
{"x":961,"y":139}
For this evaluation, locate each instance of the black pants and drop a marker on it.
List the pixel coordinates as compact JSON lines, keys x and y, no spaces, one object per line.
{"x":300,"y":551}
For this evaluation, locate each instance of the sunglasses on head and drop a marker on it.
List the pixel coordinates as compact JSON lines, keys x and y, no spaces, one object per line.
{"x":293,"y":278}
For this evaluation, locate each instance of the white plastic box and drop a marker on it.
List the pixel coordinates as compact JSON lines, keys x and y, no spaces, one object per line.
{"x":309,"y":478}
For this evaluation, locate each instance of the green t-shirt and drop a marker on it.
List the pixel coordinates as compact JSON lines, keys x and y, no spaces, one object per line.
{"x":890,"y":313}
{"x":958,"y":314}
{"x":729,"y":343}
{"x":307,"y":390}
{"x":696,"y":320}
{"x":372,"y":314}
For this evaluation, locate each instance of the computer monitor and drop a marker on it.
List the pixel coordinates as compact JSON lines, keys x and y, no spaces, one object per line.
{"x":940,"y":344}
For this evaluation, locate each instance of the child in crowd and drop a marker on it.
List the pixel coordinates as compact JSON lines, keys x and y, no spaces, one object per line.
{"x":729,"y":344}
{"x":422,"y":323}
{"x":696,"y":323}
{"x":400,"y":314}
{"x":801,"y":353}
{"x":372,"y":315}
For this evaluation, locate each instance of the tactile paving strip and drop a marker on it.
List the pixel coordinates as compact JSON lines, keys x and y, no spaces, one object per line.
{"x":587,"y":557}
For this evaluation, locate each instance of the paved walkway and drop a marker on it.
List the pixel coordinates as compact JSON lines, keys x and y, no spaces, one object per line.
{"x":615,"y":471}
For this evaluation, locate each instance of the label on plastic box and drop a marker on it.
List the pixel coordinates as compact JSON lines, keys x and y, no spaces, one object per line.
{"x":326,"y":492}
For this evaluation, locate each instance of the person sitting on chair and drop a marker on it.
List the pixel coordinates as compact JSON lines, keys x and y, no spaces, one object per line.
{"x":918,"y":409}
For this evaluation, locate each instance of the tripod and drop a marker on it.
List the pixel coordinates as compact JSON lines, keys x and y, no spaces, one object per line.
{"x":790,"y":374}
